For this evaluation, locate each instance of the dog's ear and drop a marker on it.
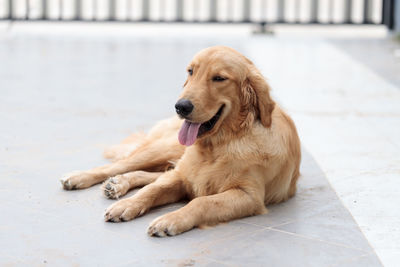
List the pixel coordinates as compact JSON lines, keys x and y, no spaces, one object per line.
{"x":256,"y":95}
{"x":248,"y":103}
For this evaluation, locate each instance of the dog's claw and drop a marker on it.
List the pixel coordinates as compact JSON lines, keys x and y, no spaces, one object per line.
{"x":158,"y":234}
{"x":75,"y":180}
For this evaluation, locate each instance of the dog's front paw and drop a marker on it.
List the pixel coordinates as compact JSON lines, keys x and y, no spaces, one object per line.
{"x":169,"y":225}
{"x":124,"y":210}
{"x":115,"y":187}
{"x":76,"y":180}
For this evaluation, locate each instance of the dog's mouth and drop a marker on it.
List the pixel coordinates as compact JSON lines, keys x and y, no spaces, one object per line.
{"x":190,"y":131}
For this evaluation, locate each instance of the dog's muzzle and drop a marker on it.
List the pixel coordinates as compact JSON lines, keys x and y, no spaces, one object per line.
{"x":184,"y":107}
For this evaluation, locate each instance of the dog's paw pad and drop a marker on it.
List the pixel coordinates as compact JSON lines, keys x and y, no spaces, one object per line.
{"x":115,"y":187}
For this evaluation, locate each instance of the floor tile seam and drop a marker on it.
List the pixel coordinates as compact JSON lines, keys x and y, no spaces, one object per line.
{"x":206,"y":244}
{"x":82,"y":226}
{"x":290,"y":221}
{"x":336,"y":192}
{"x":263,"y":226}
{"x":363,"y":231}
{"x":317,"y":239}
{"x":252,"y":224}
{"x":326,"y":212}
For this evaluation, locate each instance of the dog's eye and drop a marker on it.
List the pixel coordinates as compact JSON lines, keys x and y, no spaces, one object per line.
{"x":190,"y":71}
{"x":218,"y":79}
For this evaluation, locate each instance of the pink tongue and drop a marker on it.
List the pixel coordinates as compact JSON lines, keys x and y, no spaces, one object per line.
{"x":188,"y":133}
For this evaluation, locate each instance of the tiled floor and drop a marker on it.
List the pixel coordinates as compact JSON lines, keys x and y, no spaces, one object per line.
{"x":347,"y":109}
{"x":63,"y":99}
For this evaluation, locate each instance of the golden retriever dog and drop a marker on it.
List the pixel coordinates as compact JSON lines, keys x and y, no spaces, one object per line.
{"x":233,"y":152}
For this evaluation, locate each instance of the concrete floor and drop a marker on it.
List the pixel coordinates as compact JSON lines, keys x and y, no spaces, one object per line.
{"x":64,"y":97}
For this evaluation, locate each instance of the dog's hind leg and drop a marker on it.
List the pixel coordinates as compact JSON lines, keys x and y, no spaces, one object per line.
{"x":156,"y":153}
{"x":125,"y":148}
{"x":156,"y":156}
{"x":119,"y":185}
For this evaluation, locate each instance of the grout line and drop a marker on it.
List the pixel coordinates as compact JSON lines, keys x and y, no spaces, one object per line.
{"x":339,"y":198}
{"x":205,"y":244}
{"x":252,"y":224}
{"x":316,"y":239}
{"x":289,"y":222}
{"x":275,"y":225}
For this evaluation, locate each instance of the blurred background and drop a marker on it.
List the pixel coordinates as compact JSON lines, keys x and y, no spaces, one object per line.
{"x":79,"y":75}
{"x":267,"y":11}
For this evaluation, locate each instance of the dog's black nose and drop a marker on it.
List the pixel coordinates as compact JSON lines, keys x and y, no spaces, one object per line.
{"x":184,"y":107}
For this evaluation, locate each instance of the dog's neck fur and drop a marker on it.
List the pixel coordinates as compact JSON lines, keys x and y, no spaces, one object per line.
{"x":228,"y":131}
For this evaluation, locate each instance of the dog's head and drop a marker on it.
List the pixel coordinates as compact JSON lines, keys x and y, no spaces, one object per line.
{"x":223,"y":91}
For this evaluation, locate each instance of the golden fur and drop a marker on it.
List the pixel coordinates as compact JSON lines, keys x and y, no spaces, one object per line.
{"x":249,"y":159}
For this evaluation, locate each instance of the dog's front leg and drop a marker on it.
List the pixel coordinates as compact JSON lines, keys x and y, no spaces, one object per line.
{"x":207,"y":210}
{"x":166,"y":189}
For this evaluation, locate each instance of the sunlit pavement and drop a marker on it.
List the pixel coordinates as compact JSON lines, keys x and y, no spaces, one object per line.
{"x":68,"y":91}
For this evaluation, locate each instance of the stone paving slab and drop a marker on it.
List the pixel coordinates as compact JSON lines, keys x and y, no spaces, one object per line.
{"x":62,"y":101}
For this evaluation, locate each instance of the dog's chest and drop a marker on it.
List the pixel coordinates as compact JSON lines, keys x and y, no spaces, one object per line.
{"x":208,"y":174}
